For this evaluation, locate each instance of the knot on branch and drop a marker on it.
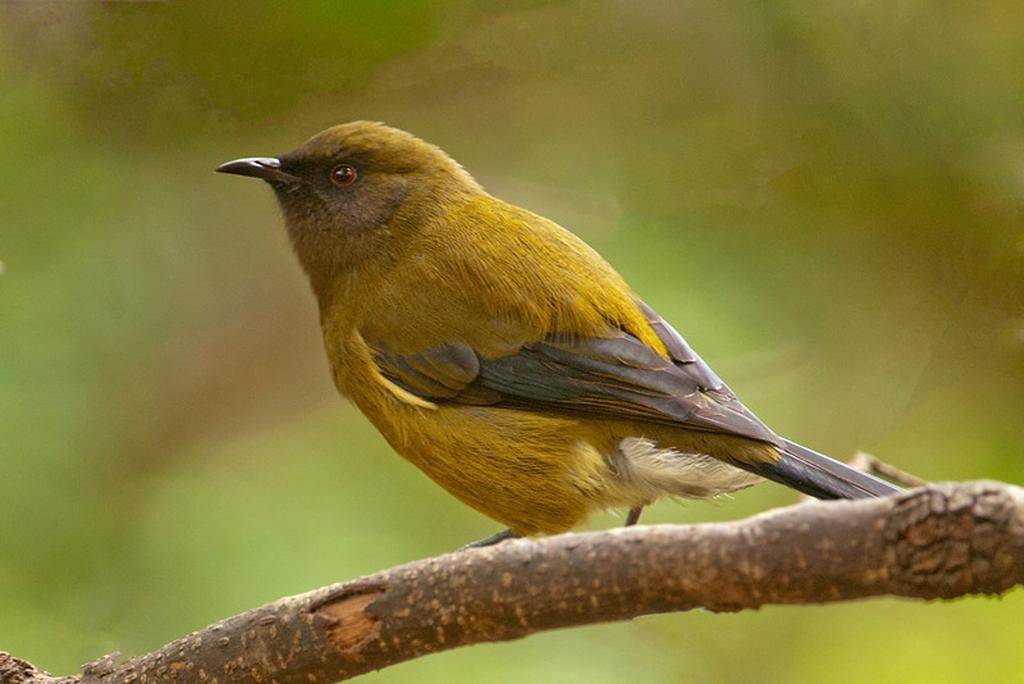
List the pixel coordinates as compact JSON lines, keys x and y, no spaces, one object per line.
{"x":954,"y":539}
{"x":349,"y":624}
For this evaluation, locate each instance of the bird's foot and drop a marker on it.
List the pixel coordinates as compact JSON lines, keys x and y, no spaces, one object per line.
{"x":492,"y":540}
{"x":633,"y":517}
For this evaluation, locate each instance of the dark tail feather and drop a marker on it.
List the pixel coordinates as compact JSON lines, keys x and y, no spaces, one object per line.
{"x":819,"y":476}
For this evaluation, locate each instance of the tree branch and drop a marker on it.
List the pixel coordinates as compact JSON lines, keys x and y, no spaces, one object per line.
{"x":940,"y":541}
{"x":867,"y":463}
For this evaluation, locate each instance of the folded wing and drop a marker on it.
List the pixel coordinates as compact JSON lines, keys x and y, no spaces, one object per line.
{"x":616,"y":376}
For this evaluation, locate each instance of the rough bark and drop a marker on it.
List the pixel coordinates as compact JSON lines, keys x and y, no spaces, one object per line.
{"x":936,"y":542}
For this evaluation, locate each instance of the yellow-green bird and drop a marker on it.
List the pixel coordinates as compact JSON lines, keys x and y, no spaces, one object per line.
{"x":504,"y":357}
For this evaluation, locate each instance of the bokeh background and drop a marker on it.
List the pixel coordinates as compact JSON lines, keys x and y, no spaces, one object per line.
{"x":826,"y":198}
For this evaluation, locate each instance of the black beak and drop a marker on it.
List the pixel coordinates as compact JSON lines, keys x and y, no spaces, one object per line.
{"x":267,"y":168}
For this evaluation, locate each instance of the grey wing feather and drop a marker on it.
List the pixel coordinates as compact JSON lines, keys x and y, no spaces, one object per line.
{"x":617,"y":377}
{"x":696,"y":367}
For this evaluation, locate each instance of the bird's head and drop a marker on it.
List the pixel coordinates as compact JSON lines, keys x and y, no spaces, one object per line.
{"x":354,"y":194}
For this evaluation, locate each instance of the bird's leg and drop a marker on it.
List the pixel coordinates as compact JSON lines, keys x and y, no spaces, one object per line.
{"x":492,"y":540}
{"x":633,"y":517}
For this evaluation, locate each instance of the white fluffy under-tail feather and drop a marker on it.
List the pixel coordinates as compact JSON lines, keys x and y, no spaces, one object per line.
{"x":650,"y":472}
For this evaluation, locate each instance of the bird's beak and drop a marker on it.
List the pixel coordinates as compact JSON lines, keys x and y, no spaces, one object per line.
{"x":267,"y":168}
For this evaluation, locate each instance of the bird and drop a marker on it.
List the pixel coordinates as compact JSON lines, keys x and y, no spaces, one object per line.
{"x":503,"y":356}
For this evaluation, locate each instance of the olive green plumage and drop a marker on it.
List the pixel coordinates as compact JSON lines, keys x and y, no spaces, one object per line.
{"x":503,"y":356}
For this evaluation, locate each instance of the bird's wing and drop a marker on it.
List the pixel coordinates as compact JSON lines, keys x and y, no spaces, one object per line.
{"x":617,"y":376}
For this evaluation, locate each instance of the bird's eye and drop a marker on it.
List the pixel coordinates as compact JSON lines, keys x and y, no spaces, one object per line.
{"x":343,"y":175}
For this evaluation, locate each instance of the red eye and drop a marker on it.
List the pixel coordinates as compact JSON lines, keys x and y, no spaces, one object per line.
{"x":343,"y":175}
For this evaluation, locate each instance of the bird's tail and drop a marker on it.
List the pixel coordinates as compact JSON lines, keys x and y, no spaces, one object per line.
{"x":819,"y":476}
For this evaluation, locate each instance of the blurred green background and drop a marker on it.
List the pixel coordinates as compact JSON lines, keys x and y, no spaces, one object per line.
{"x":826,"y":198}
